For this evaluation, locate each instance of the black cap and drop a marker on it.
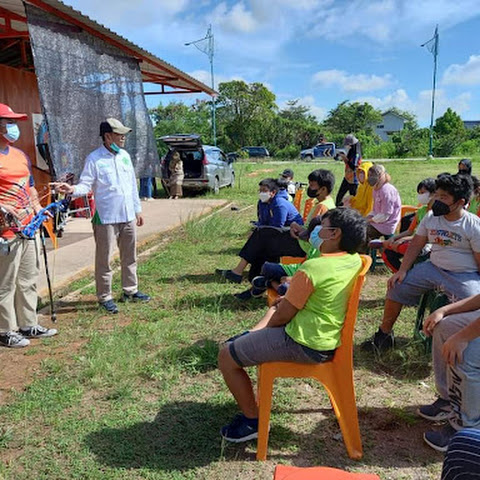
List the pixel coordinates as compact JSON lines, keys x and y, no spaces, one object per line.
{"x":288,"y":172}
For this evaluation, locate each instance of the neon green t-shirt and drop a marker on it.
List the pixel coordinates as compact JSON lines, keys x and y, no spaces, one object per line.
{"x":320,"y":290}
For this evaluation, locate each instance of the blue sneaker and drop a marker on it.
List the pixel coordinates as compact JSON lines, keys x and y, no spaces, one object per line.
{"x":241,"y":429}
{"x":110,"y":306}
{"x":439,"y":439}
{"x":136,"y":297}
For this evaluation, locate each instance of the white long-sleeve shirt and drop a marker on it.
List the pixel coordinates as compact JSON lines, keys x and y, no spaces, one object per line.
{"x":112,"y":179}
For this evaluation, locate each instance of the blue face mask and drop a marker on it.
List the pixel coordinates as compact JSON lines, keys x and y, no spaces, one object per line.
{"x":315,"y":240}
{"x":115,"y":147}
{"x":13,"y":133}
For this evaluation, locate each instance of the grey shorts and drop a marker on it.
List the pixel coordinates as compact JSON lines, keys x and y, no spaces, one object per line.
{"x":273,"y":345}
{"x":425,"y":276}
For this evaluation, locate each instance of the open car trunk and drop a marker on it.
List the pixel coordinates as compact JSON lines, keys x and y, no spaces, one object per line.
{"x":191,"y":152}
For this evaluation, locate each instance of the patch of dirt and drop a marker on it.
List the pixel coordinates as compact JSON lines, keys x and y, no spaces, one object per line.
{"x":256,"y":173}
{"x":21,"y":366}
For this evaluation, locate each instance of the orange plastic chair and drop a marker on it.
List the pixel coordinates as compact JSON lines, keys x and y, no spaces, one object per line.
{"x":285,"y":472}
{"x":336,"y":376}
{"x":306,"y":209}
{"x":297,"y":201}
{"x":405,"y":210}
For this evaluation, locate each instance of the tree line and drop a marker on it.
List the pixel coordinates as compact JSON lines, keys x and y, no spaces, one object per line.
{"x":248,"y":115}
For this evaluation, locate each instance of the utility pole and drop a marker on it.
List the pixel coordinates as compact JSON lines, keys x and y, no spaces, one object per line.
{"x":432,"y":46}
{"x":207,"y":46}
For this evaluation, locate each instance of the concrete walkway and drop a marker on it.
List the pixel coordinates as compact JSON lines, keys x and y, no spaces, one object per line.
{"x":75,"y":254}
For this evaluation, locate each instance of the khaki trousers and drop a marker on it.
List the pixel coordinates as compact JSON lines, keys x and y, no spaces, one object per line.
{"x":124,"y":235}
{"x":18,"y":285}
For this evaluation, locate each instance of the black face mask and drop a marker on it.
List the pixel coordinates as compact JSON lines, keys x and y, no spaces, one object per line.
{"x":312,"y":192}
{"x":439,"y":208}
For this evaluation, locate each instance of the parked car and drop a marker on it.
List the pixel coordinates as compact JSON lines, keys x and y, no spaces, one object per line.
{"x":326,"y":149}
{"x":205,"y":167}
{"x":256,"y":152}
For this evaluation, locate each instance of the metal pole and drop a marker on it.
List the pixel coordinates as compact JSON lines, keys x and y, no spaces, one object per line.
{"x":435,"y":53}
{"x":211,"y":54}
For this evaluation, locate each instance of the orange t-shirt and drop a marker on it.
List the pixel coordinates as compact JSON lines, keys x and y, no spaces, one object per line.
{"x":15,"y":181}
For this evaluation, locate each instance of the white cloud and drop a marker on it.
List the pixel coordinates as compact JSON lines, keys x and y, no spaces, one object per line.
{"x":351,"y":82}
{"x":421,"y":106}
{"x":237,"y":19}
{"x":384,"y":21}
{"x":465,"y":74}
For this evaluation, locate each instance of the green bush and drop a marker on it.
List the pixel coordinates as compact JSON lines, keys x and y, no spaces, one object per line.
{"x":382,"y":150}
{"x":289,"y":152}
{"x":468,"y":147}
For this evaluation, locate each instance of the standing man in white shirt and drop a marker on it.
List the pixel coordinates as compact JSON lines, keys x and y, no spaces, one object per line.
{"x":109,"y":172}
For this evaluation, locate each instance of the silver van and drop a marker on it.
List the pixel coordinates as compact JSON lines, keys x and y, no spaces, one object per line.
{"x":205,"y":167}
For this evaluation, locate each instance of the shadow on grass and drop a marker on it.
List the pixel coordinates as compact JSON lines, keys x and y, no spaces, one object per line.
{"x":200,"y":357}
{"x":185,"y":435}
{"x":220,"y":302}
{"x":66,"y":306}
{"x":408,"y":360}
{"x":193,"y":278}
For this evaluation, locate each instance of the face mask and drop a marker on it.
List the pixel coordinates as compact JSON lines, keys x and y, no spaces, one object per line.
{"x":439,"y":208}
{"x":372,"y":181}
{"x":312,"y":192}
{"x":13,"y":133}
{"x":315,"y":240}
{"x":115,"y":147}
{"x":423,"y":198}
{"x":264,"y":197}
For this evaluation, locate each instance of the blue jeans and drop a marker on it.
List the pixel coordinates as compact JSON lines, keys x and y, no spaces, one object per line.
{"x":146,"y":187}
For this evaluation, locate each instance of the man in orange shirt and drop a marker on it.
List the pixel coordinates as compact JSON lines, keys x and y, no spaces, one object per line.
{"x":19,"y":257}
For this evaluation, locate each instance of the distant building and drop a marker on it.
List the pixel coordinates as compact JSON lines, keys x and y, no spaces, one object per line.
{"x":471,"y":124}
{"x":392,"y":123}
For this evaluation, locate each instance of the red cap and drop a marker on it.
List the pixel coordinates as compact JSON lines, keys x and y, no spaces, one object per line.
{"x":7,"y":112}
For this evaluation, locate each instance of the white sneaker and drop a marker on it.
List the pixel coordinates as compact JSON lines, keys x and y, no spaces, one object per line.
{"x":37,"y":331}
{"x":13,"y":340}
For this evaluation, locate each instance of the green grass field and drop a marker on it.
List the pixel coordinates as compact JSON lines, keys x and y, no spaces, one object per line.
{"x":138,"y":395}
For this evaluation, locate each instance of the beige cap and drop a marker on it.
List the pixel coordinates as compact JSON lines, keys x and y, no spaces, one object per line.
{"x":115,"y":126}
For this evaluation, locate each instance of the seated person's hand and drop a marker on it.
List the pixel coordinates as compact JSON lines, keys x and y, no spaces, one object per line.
{"x":431,"y":321}
{"x":453,"y":349}
{"x":396,"y":278}
{"x":296,"y":229}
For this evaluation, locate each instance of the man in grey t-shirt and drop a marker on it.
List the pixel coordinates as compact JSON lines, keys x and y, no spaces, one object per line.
{"x":454,"y":262}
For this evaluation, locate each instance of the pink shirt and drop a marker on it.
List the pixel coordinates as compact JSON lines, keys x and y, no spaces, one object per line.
{"x":387,"y":200}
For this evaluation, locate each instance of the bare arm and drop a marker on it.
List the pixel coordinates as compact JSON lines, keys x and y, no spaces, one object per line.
{"x":466,"y":305}
{"x":35,"y":199}
{"x":414,"y":249}
{"x":277,"y":316}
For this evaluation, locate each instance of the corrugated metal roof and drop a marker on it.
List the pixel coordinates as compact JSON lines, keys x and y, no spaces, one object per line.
{"x":154,"y":69}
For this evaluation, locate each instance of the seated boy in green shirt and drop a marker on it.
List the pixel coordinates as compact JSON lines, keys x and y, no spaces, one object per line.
{"x":305,"y":326}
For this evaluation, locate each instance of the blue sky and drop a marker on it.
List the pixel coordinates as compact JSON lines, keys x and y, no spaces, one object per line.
{"x":318,"y":51}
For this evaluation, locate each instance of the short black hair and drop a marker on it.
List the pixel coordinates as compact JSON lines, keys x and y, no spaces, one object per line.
{"x":467,"y":163}
{"x":428,"y":184}
{"x":324,"y":178}
{"x":352,"y":225}
{"x":270,"y":183}
{"x":458,"y":186}
{"x":282,"y":183}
